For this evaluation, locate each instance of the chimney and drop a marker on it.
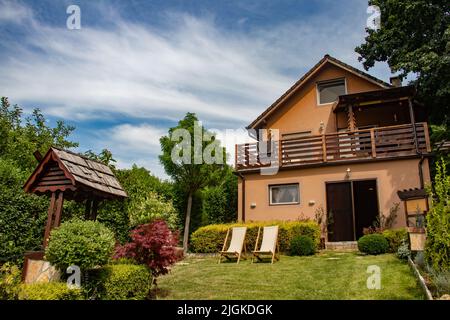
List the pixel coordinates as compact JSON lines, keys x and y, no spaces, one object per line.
{"x":395,"y":81}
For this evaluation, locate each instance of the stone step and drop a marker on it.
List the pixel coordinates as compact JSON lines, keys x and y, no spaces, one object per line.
{"x":342,"y":245}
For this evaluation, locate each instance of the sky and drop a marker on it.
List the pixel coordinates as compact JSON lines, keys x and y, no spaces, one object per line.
{"x":136,"y":67}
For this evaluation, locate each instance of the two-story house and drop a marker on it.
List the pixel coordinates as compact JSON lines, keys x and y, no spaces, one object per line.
{"x":347,"y":143}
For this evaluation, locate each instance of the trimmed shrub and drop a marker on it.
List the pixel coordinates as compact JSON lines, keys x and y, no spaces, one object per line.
{"x":49,"y":291}
{"x":152,"y":244}
{"x":119,"y":282}
{"x":403,"y":251}
{"x":302,"y":246}
{"x":10,"y":278}
{"x":373,"y":244}
{"x":209,"y":239}
{"x":86,"y":244}
{"x":395,"y":238}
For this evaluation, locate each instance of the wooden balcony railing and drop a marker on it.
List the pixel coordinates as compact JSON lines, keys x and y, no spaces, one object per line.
{"x":375,"y":143}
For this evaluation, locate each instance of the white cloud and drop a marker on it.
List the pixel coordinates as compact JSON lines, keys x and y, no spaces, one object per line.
{"x":128,"y":70}
{"x":13,"y":12}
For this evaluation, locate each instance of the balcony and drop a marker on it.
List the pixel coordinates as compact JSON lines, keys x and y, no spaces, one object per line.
{"x":335,"y":148}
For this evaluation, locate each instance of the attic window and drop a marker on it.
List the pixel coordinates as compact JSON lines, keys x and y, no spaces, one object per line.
{"x":329,"y":91}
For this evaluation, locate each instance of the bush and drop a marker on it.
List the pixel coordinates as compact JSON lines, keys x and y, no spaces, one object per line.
{"x":373,"y":244}
{"x":152,"y":207}
{"x":437,"y":246}
{"x":209,"y":239}
{"x":125,"y":282}
{"x":220,"y":202}
{"x":22,"y":215}
{"x":403,"y":251}
{"x":395,"y":238}
{"x":49,"y":291}
{"x":419,"y":260}
{"x":440,"y":280}
{"x":10,"y":277}
{"x":302,"y":246}
{"x":152,"y":244}
{"x":86,"y":244}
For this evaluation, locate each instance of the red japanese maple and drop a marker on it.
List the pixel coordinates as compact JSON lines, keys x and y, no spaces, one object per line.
{"x":152,"y":244}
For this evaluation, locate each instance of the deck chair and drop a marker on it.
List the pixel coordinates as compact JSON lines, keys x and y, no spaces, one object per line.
{"x":237,"y":244}
{"x":269,"y":244}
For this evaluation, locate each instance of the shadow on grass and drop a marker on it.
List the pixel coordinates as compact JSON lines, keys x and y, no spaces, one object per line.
{"x":156,"y":293}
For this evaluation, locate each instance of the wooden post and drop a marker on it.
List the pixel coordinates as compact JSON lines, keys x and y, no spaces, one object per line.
{"x":427,"y":136}
{"x":94,"y":209}
{"x":58,"y":209}
{"x":413,"y":122}
{"x":280,"y":153}
{"x":88,"y":208}
{"x":351,"y":118}
{"x":246,"y":155}
{"x":324,"y":148}
{"x":48,"y":227}
{"x":372,"y":141}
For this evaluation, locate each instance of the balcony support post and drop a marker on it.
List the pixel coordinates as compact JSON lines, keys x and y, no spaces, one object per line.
{"x":372,"y":141}
{"x":413,"y":122}
{"x":351,"y":118}
{"x":324,"y":148}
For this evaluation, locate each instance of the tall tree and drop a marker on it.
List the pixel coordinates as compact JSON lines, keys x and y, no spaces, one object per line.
{"x":414,"y":37}
{"x":183,"y":159}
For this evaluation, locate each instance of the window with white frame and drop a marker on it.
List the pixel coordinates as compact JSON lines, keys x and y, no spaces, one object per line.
{"x":329,"y":91}
{"x":284,"y":194}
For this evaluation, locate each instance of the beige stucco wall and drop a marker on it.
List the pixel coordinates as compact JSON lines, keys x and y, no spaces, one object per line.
{"x":391,"y":176}
{"x":302,"y":111}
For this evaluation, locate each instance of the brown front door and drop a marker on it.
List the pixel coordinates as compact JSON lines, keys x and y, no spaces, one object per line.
{"x":365,"y":200}
{"x":351,"y":207}
{"x":340,"y":211}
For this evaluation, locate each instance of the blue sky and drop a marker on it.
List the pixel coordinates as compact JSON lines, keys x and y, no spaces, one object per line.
{"x":136,"y":67}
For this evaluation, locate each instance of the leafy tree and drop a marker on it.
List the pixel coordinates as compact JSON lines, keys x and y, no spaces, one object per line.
{"x":414,"y":37}
{"x":19,"y":139}
{"x":138,"y":182}
{"x":437,"y":248}
{"x":187,"y":173}
{"x":23,"y":216}
{"x":220,"y":202}
{"x":150,"y":207}
{"x":105,"y":156}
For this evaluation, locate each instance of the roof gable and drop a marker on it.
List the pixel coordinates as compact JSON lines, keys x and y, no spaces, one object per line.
{"x":64,"y":170}
{"x":307,"y":76}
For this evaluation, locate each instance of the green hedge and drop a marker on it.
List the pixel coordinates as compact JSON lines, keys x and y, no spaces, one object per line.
{"x":209,"y":239}
{"x":49,"y":291}
{"x":124,"y":281}
{"x":395,"y":238}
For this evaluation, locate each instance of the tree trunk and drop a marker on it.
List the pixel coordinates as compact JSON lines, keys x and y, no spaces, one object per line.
{"x":187,"y":223}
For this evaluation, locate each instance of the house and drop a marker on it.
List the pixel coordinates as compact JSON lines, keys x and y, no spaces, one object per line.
{"x":347,"y":142}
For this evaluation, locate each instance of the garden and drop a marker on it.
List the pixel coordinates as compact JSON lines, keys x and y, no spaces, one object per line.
{"x":161,"y":242}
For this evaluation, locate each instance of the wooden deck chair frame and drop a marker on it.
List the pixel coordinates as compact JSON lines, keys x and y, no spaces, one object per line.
{"x":275,"y":255}
{"x":228,"y":254}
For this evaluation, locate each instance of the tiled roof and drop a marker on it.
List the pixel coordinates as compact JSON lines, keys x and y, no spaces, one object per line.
{"x":300,"y":82}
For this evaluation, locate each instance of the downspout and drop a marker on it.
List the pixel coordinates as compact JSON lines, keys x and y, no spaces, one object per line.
{"x":422,"y":158}
{"x":240,"y":175}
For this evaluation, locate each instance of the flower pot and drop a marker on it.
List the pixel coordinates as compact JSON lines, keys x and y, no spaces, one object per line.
{"x":417,"y":237}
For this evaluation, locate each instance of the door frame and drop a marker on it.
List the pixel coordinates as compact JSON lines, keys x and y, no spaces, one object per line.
{"x":353,"y":200}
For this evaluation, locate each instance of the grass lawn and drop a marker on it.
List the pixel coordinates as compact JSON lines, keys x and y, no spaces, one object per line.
{"x":328,"y":275}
